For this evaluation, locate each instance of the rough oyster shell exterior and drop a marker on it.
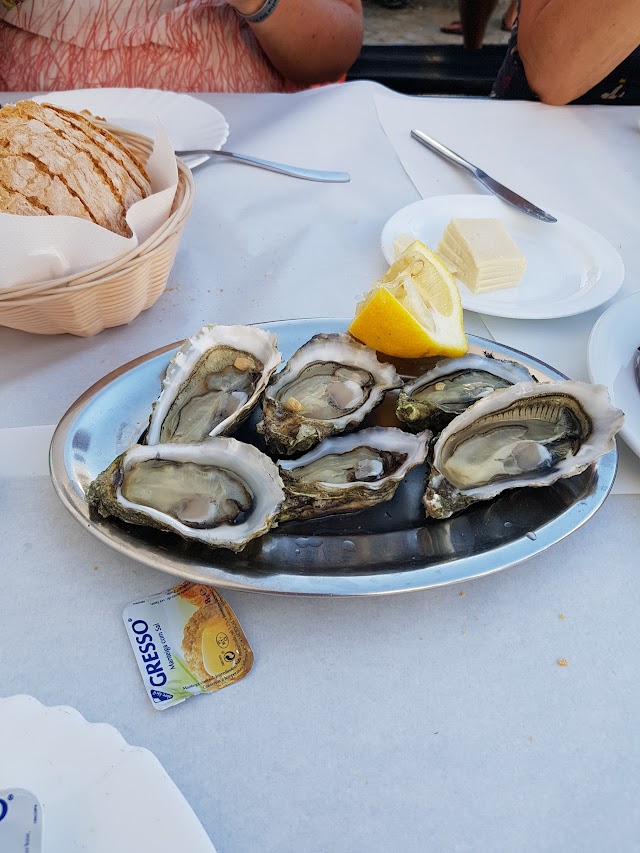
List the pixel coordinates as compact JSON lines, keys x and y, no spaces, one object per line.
{"x":424,"y":405}
{"x":582,"y":424}
{"x":215,"y":348}
{"x":286,"y":428}
{"x":254,"y":469}
{"x":398,"y":451}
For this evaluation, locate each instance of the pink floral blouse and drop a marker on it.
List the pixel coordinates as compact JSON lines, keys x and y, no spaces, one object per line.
{"x":189,"y":46}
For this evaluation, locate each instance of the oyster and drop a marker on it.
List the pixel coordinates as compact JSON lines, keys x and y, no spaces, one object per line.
{"x":439,"y":395}
{"x":212,"y":383}
{"x":530,"y":434}
{"x":350,"y":472}
{"x":221,"y":493}
{"x":327,"y":387}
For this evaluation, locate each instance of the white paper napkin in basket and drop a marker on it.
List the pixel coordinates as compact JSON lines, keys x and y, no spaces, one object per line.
{"x":38,"y":248}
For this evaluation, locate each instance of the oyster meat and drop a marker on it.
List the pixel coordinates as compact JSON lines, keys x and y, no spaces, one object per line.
{"x":530,"y":434}
{"x":439,"y":395}
{"x":350,"y":472}
{"x":221,"y":493}
{"x":212,"y":383}
{"x":327,"y":387}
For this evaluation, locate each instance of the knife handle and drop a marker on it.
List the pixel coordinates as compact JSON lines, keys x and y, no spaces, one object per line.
{"x":436,"y":146}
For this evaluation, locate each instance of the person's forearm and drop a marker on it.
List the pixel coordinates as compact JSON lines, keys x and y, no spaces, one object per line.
{"x":309,"y":41}
{"x":567,"y":46}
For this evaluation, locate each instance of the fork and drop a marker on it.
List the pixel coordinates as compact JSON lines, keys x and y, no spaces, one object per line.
{"x":282,"y":168}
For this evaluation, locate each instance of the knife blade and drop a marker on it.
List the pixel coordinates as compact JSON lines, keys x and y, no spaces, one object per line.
{"x":490,"y":183}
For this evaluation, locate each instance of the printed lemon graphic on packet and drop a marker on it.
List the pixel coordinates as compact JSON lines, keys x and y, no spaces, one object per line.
{"x":414,"y":309}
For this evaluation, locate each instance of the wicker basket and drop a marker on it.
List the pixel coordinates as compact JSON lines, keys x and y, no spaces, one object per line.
{"x":112,"y":293}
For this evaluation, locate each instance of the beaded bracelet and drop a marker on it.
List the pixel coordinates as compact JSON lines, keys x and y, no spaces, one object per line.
{"x":263,"y":12}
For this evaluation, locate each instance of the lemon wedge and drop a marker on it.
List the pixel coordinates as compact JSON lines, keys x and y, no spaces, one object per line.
{"x":414,"y":309}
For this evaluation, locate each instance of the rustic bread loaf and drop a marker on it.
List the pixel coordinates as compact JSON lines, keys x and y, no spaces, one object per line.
{"x":60,"y":163}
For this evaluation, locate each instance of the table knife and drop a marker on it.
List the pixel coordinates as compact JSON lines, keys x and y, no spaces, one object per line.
{"x":490,"y":183}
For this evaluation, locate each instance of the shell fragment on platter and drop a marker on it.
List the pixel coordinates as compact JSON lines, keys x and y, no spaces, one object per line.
{"x":221,"y":493}
{"x":327,"y":387}
{"x":212,"y":383}
{"x":436,"y":397}
{"x":350,"y":472}
{"x":530,"y":434}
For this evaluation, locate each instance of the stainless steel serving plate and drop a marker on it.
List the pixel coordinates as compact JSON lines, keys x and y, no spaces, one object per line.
{"x":388,"y":548}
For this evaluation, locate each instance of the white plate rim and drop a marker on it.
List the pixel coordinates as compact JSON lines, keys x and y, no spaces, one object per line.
{"x":483,"y":303}
{"x":212,"y":133}
{"x":105,"y":757}
{"x":630,"y":431}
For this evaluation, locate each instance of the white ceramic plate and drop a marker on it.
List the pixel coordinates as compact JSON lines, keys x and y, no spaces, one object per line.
{"x":570,"y":267}
{"x":189,"y":122}
{"x":97,"y":793}
{"x":612,"y":347}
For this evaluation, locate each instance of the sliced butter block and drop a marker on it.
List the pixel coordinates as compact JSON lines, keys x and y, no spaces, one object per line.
{"x":483,"y":253}
{"x":495,"y":284}
{"x":454,"y":252}
{"x":486,"y":239}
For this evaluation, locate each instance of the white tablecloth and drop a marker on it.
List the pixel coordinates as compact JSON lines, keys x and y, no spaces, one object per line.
{"x":437,"y":720}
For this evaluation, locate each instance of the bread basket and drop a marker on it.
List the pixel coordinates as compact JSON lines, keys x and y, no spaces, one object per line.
{"x":112,"y":293}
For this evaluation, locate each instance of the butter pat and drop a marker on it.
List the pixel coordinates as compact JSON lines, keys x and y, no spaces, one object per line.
{"x":186,"y":640}
{"x":482,"y":254}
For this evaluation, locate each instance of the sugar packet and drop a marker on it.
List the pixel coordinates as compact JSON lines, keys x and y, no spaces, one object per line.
{"x":186,"y":640}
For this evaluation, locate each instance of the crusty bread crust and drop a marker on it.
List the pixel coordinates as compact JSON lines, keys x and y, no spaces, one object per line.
{"x":56,"y":162}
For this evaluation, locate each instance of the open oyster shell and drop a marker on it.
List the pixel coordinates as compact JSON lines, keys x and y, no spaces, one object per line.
{"x":327,"y":387}
{"x":530,"y":434}
{"x":221,"y":493}
{"x":212,"y":383}
{"x":350,"y":472}
{"x":438,"y":396}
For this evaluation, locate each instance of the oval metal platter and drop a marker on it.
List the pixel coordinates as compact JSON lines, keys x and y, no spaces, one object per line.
{"x":388,"y":548}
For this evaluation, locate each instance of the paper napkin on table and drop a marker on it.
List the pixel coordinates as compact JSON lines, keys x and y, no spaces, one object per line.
{"x":38,"y":248}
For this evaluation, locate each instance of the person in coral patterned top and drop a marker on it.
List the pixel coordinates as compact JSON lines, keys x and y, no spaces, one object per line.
{"x":189,"y":46}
